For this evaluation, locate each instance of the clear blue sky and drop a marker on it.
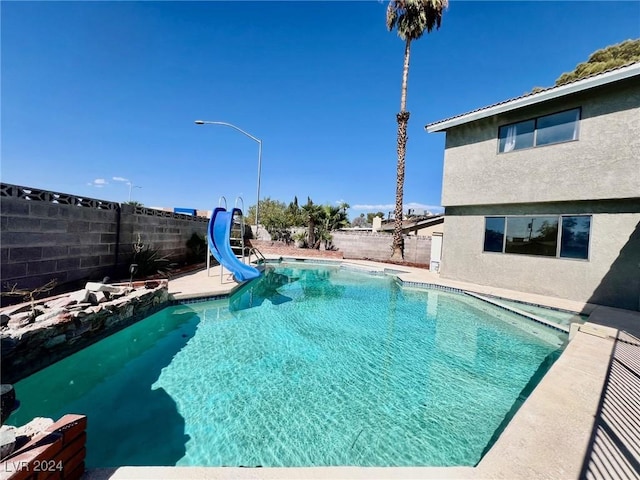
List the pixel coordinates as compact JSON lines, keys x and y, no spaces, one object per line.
{"x":97,"y":90}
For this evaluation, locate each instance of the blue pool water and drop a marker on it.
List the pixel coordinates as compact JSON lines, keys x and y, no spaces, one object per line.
{"x":304,"y":367}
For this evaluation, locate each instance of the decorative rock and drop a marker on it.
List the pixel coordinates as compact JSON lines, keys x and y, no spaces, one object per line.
{"x":92,"y":298}
{"x":57,"y":340}
{"x":92,"y":310}
{"x":20,"y":320}
{"x":81,"y":296}
{"x":101,"y":296}
{"x":50,"y":314}
{"x":8,"y":402}
{"x":27,"y":346}
{"x":101,"y":287}
{"x":64,"y":317}
{"x":78,"y":306}
{"x":23,"y":307}
{"x":7,"y":440}
{"x":34,"y":427}
{"x":60,"y":302}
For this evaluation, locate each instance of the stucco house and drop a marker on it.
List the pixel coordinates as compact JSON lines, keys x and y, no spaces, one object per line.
{"x":542,"y":192}
{"x":424,"y":226}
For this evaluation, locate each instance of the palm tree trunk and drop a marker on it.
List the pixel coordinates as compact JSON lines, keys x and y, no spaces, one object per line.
{"x":312,"y":234}
{"x":403,"y":119}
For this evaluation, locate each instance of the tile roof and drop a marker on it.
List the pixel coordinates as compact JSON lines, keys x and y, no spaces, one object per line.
{"x":541,"y":94}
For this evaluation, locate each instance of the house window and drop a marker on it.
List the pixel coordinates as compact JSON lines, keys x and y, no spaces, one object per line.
{"x":493,"y":234}
{"x":532,"y":236}
{"x":575,"y":237}
{"x":556,"y":128}
{"x":564,"y":236}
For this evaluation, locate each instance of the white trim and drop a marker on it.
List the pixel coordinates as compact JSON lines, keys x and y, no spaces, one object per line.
{"x":574,"y":87}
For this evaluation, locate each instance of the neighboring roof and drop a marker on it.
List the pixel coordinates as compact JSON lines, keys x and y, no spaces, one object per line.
{"x":595,"y":80}
{"x":414,"y":224}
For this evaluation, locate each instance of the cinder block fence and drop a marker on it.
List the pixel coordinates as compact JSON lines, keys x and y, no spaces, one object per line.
{"x":377,"y":246}
{"x":48,"y":235}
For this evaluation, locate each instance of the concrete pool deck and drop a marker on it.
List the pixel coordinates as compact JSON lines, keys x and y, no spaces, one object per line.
{"x":581,"y":421}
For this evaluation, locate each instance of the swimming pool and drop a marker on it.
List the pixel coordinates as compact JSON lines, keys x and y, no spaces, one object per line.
{"x":306,"y":366}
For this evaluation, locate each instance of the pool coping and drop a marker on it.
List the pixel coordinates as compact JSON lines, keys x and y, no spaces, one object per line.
{"x":549,"y":437}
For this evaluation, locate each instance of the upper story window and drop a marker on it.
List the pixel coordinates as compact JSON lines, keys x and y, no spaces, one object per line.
{"x":554,"y":128}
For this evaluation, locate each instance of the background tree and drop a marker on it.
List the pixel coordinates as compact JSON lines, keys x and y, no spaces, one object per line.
{"x":371,"y":216}
{"x":335,"y":217}
{"x":273,"y":217}
{"x":360,"y":221}
{"x":410,"y":18}
{"x":604,"y":59}
{"x":314,"y":215}
{"x":295,"y":216}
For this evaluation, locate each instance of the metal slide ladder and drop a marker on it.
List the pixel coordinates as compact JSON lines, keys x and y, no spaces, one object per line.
{"x":239,"y":235}
{"x":241,"y":245}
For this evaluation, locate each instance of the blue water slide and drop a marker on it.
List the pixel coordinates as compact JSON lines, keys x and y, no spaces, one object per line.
{"x":220,"y":226}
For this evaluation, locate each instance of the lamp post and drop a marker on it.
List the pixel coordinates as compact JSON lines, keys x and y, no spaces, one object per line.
{"x":132,"y":186}
{"x":205,"y":122}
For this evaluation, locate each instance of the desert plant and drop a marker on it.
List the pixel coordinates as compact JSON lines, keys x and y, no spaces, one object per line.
{"x":300,"y":238}
{"x":147,"y":260}
{"x":196,"y":248}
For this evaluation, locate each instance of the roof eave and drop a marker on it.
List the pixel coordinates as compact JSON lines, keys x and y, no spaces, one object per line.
{"x":574,"y":87}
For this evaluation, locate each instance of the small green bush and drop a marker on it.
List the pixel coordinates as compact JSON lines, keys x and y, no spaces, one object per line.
{"x":196,"y":248}
{"x":147,"y":260}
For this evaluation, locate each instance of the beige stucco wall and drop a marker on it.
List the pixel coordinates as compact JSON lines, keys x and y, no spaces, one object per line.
{"x":603,"y":163}
{"x":429,"y":231}
{"x":611,"y":276}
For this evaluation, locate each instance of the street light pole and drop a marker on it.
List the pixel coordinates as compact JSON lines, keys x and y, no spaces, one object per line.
{"x":205,"y":122}
{"x":131,"y":186}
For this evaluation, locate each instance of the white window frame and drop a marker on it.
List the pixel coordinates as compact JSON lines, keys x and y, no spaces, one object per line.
{"x":558,"y":238}
{"x":535,"y":130}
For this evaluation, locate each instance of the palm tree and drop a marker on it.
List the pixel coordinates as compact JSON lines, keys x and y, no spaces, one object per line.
{"x":313,"y":214}
{"x":411,"y":18}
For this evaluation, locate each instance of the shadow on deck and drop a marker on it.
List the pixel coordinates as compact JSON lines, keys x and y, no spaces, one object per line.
{"x":614,"y":446}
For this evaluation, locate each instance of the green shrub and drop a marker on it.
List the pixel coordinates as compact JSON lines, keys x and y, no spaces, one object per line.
{"x":196,"y":248}
{"x":147,"y":260}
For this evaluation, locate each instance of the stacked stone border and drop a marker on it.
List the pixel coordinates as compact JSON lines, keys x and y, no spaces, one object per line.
{"x":69,"y":325}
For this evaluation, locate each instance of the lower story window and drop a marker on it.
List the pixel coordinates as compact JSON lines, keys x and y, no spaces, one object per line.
{"x":574,"y":242}
{"x":562,"y":236}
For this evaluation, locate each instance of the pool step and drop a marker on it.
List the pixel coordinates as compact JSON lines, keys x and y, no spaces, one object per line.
{"x":517,"y":311}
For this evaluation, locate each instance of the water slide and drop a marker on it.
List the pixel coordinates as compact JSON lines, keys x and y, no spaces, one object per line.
{"x":220,"y":227}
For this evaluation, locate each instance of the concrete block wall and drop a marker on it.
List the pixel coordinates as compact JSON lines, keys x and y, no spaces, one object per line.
{"x":41,"y":241}
{"x":377,"y":246}
{"x":48,"y":235}
{"x":165,"y":231}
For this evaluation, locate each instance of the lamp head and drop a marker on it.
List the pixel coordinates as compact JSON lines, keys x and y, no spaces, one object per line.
{"x":199,"y":122}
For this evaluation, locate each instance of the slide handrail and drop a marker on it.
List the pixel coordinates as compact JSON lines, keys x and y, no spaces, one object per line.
{"x":259,"y":256}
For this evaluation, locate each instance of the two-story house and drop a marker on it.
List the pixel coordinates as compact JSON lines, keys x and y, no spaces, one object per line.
{"x":542,"y":192}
